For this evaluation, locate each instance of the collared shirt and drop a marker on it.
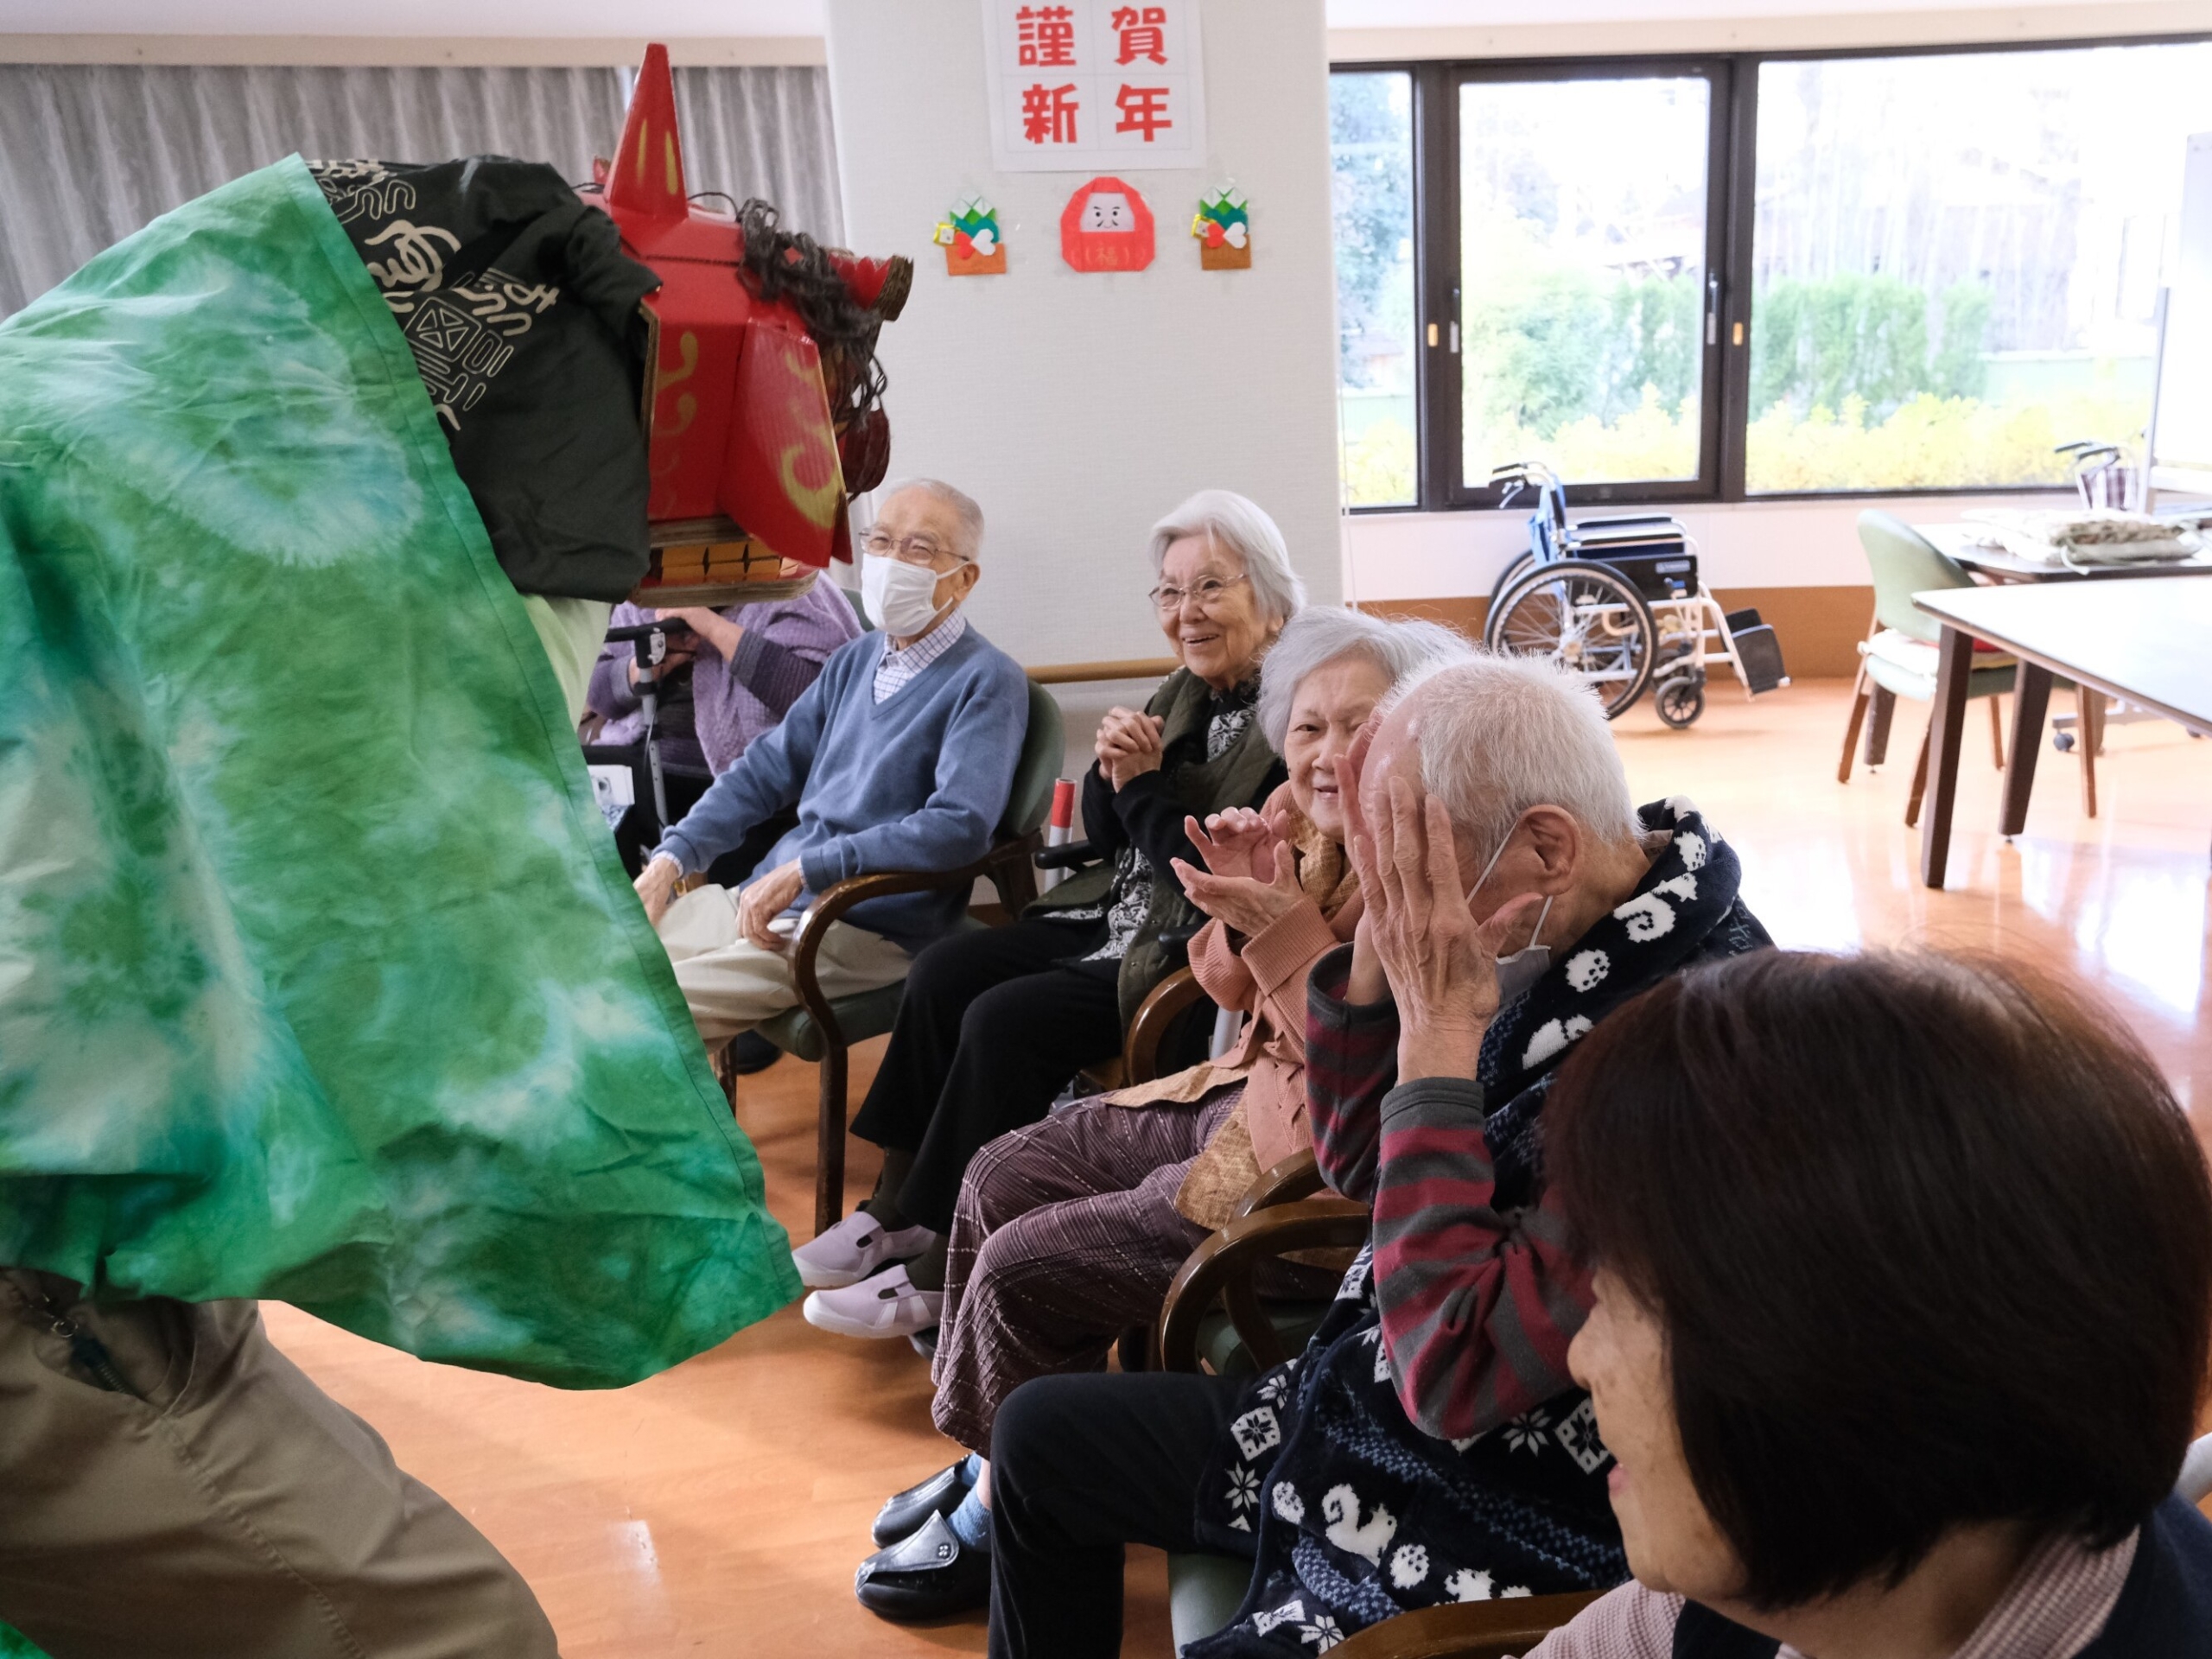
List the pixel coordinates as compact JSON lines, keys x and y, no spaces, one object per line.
{"x":897,"y":667}
{"x":2055,"y":1606}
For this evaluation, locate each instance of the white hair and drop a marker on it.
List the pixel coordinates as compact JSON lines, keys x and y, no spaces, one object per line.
{"x":1326,"y":633}
{"x":1500,"y":734}
{"x":966,"y":514}
{"x":1237,"y":525}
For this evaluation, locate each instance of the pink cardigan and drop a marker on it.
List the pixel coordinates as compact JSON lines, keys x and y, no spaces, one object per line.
{"x":1266,"y":982}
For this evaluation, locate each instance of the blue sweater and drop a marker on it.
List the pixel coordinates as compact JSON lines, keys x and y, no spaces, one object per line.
{"x":916,"y":782}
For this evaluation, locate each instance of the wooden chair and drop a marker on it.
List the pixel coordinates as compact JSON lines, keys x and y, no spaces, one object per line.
{"x":1212,"y":1318}
{"x":1474,"y":1630}
{"x":823,"y":1028}
{"x":1164,"y":1006}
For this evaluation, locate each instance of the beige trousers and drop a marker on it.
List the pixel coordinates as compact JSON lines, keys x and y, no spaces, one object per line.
{"x":184,"y":1491}
{"x":732,"y":984}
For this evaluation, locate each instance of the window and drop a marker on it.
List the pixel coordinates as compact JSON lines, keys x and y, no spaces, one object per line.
{"x":1755,"y":275}
{"x":1956,"y":261}
{"x":1371,"y":158}
{"x":1582,"y":277}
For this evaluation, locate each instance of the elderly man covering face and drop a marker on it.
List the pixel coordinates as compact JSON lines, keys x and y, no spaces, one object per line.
{"x":900,"y":757}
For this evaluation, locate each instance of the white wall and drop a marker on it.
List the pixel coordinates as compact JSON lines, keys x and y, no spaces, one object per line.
{"x":1078,"y":408}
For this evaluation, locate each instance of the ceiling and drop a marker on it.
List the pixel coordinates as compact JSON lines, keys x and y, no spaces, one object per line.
{"x":723,"y":19}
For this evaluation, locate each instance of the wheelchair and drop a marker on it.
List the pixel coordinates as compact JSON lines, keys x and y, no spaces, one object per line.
{"x":1620,"y":603}
{"x":642,"y":790}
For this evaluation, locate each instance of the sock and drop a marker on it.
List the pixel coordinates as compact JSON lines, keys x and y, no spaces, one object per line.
{"x":971,"y":1470}
{"x":883,"y":1203}
{"x":927,"y":1270}
{"x":971,"y":1523}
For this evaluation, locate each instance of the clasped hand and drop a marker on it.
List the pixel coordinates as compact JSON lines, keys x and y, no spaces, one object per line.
{"x":1128,"y":743}
{"x":1419,"y":926}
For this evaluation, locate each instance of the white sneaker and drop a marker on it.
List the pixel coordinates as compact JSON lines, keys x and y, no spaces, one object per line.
{"x":885,"y":1306}
{"x":855,"y":1247}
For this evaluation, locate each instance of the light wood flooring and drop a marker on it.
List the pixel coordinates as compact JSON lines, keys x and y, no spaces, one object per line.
{"x":721,"y":1507}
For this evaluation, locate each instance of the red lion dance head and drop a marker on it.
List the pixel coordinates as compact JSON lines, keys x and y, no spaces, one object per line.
{"x":762,"y":397}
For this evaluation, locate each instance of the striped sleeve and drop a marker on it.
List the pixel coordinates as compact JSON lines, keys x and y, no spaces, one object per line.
{"x":1351,"y":1060}
{"x":1479,"y":1304}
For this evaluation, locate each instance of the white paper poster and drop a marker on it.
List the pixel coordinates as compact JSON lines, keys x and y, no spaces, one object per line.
{"x":1093,"y":86}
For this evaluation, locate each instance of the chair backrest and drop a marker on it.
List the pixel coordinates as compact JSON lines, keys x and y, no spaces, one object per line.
{"x":1905,"y":563}
{"x":1043,"y":749}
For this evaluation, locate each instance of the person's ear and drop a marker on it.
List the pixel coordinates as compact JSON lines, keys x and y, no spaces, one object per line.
{"x":1556,"y":839}
{"x":964,"y":577}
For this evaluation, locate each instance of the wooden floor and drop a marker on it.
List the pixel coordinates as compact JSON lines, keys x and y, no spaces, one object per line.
{"x":720,"y":1508}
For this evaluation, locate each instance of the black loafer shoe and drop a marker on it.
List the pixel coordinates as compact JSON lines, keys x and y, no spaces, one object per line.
{"x":903,"y":1515}
{"x":749,"y":1052}
{"x":930,"y":1575}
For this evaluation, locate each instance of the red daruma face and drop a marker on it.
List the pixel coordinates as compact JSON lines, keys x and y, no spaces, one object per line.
{"x":1106,"y":227}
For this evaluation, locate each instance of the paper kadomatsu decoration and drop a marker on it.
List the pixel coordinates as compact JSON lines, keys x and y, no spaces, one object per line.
{"x":1224,"y":228}
{"x":1091,"y":86}
{"x":971,"y":239}
{"x":1106,"y":227}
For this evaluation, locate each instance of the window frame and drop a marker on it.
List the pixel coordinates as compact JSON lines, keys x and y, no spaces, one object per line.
{"x":1731,"y":208}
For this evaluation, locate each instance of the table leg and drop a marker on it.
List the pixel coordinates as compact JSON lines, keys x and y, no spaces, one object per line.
{"x":1953,"y":672}
{"x":2030,"y":701}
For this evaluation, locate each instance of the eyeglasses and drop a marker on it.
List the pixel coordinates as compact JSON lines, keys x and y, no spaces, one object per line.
{"x":1207,"y":590}
{"x":907,"y":549}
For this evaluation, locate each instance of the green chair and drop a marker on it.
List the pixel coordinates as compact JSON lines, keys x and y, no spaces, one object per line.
{"x":1897,"y":658}
{"x":822,"y":1029}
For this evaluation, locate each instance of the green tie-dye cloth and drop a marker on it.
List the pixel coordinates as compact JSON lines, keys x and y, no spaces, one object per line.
{"x":320,"y":979}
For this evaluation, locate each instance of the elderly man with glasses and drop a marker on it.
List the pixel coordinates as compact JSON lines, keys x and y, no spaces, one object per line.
{"x":899,"y":757}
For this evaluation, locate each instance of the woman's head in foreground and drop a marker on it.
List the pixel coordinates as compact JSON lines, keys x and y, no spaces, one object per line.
{"x":1887,"y":1246}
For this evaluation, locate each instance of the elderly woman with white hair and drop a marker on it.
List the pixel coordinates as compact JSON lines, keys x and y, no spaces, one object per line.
{"x":994,"y":1023}
{"x":1430,"y":1445}
{"x":1069,"y":1231}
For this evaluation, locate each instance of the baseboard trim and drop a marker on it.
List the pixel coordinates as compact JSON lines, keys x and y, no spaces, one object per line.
{"x":1819,"y":628}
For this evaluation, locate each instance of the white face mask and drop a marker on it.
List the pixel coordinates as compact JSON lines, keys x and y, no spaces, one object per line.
{"x":901,"y":597}
{"x":1517,"y":972}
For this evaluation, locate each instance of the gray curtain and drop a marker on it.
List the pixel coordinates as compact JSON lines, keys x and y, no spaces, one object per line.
{"x":90,"y":152}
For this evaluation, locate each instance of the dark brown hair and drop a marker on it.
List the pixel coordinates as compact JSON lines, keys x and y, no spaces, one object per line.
{"x":1930,"y":1241}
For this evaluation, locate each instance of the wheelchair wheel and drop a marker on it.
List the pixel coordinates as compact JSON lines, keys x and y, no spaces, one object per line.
{"x":1585,"y":616}
{"x":1680,"y":702}
{"x":1511,"y":574}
